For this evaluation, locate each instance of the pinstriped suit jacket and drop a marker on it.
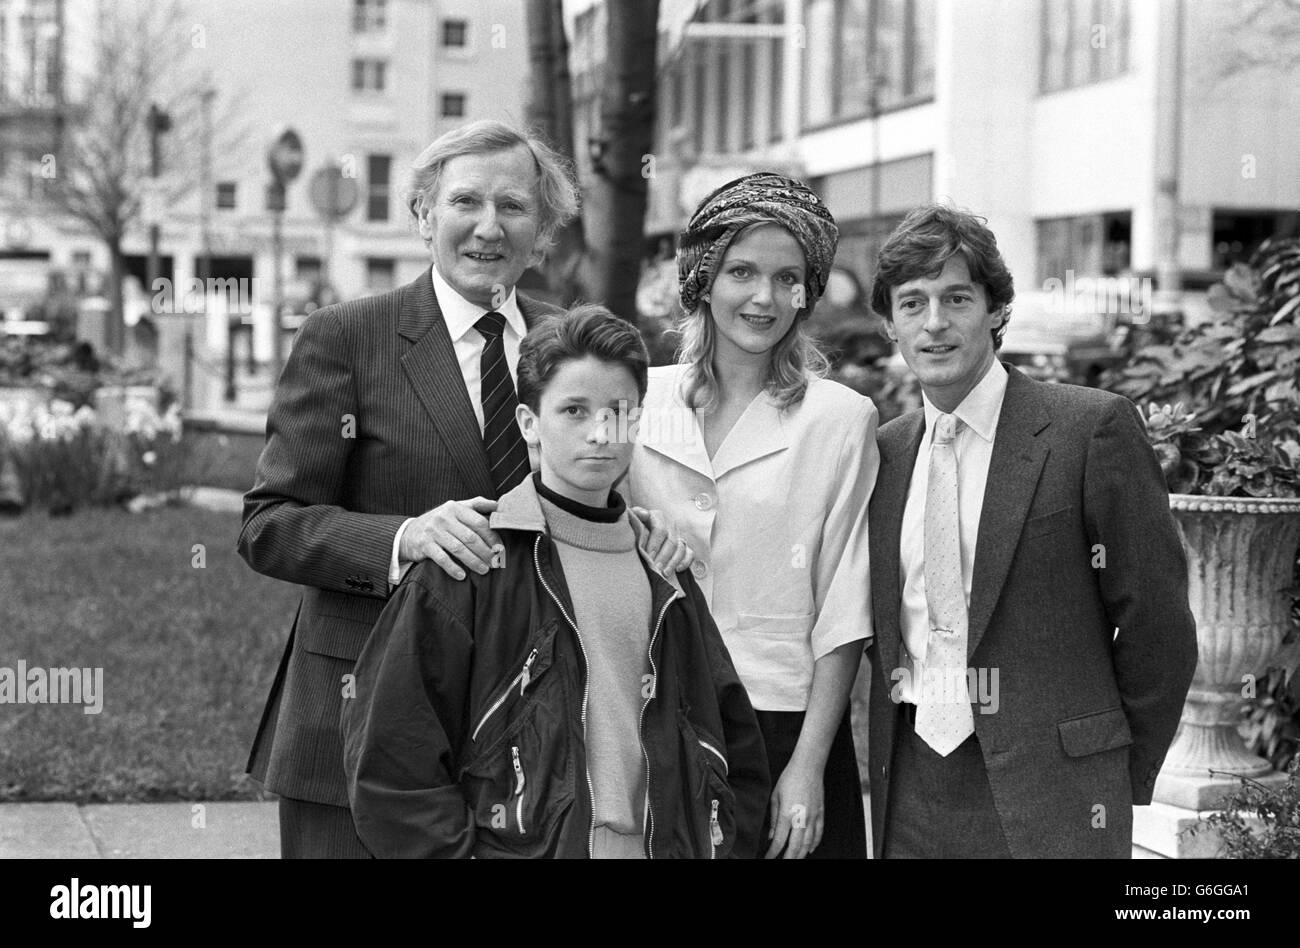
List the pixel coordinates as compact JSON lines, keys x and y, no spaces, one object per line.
{"x":371,"y":424}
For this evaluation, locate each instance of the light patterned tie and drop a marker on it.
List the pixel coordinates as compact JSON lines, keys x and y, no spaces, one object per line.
{"x":943,"y":714}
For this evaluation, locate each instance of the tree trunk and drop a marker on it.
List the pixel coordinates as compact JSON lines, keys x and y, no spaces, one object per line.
{"x":616,"y":203}
{"x":550,"y":111}
{"x":115,"y":328}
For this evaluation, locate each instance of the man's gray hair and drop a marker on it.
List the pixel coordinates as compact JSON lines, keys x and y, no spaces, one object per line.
{"x":555,"y":181}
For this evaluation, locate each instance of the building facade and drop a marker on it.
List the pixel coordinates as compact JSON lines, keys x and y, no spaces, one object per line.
{"x":1099,"y":137}
{"x":366,"y":84}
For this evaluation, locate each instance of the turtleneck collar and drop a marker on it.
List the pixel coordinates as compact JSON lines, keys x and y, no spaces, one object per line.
{"x":610,"y":514}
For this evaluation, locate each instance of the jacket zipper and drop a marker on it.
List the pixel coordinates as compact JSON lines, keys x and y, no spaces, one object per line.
{"x":716,"y":753}
{"x":591,"y":790}
{"x":522,"y":679}
{"x":715,"y":831}
{"x":519,"y":788}
{"x":640,"y":728}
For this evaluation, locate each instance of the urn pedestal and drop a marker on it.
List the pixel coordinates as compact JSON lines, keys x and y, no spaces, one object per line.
{"x":1240,"y":554}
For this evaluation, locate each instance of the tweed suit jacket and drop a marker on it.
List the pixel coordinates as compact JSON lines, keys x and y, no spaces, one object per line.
{"x":1075,"y":541}
{"x":371,"y":424}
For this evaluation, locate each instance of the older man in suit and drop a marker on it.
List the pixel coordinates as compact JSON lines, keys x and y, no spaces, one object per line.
{"x":390,"y":411}
{"x":1033,"y":643}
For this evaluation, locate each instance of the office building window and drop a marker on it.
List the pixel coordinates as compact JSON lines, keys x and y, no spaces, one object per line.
{"x":226,"y":195}
{"x":307,"y":268}
{"x":748,"y":92}
{"x":381,"y":273}
{"x":1090,"y":245}
{"x":453,"y":105}
{"x":700,"y":74}
{"x":369,"y":16}
{"x":1082,"y":41}
{"x":776,"y":107}
{"x":379,"y":185}
{"x":1238,"y":234}
{"x":724,"y":105}
{"x":455,"y":34}
{"x":369,"y":75}
{"x":862,"y":52}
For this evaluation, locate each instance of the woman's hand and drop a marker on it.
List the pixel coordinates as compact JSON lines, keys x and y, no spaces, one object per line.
{"x":797,"y":811}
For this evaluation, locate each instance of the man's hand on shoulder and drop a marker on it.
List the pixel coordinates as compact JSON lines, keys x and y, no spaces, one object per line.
{"x":667,"y":548}
{"x":453,"y":535}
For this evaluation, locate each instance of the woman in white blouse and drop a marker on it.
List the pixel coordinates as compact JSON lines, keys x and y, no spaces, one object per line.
{"x":766,"y":469}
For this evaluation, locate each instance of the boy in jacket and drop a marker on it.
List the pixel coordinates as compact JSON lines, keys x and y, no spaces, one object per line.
{"x":572,"y":702}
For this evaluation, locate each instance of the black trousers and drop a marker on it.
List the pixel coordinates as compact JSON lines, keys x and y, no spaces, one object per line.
{"x":318,"y":831}
{"x":939,"y":807}
{"x":845,"y":832}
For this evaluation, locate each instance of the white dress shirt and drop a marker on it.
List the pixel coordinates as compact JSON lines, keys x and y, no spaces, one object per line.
{"x":460,"y":315}
{"x":777,"y":519}
{"x":978,"y":413}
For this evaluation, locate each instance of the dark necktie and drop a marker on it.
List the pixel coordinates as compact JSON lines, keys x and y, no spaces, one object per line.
{"x":507,"y":455}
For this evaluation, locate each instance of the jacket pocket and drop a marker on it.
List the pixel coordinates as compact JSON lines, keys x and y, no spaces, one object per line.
{"x":505,"y":698}
{"x":518,"y":775}
{"x":1095,"y":732}
{"x":711,"y":801}
{"x":337,"y":625}
{"x":1049,"y":522}
{"x":521,"y":789}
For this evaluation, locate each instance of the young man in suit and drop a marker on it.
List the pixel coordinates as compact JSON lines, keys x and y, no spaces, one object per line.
{"x":389,"y":412}
{"x":1033,"y":643}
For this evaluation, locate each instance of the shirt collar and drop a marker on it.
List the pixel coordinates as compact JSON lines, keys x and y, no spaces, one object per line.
{"x":980,"y":409}
{"x":460,"y":314}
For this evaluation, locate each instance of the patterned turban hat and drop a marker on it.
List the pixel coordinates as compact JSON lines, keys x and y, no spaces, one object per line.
{"x":733,"y":207}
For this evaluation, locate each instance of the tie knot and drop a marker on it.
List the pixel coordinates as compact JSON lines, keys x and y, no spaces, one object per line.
{"x":945,"y":428}
{"x":491,"y":323}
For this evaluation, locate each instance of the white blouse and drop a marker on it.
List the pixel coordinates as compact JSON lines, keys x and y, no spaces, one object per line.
{"x":777,"y":521}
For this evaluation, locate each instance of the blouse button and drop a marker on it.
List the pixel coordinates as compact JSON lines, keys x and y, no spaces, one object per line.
{"x":703,"y":501}
{"x":700,"y":569}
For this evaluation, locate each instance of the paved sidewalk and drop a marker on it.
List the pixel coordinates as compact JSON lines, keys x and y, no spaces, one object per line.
{"x":139,"y":830}
{"x":145,"y":831}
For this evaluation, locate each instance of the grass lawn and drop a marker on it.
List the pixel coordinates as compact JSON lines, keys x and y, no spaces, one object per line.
{"x":188,"y":654}
{"x":220,"y":459}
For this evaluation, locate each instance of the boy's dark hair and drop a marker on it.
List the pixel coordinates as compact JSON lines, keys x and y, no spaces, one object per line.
{"x":922,"y":244}
{"x":586,"y":330}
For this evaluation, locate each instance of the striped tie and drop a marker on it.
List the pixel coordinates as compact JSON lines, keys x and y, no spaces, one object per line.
{"x":507,"y":455}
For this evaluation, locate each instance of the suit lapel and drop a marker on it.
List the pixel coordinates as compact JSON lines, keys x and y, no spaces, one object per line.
{"x":434,"y":372}
{"x":1014,"y":468}
{"x":898,"y":450}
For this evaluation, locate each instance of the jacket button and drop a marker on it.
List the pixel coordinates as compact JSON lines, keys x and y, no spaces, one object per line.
{"x":700,"y":569}
{"x":703,"y":501}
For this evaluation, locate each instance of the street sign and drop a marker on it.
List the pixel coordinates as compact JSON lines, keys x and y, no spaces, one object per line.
{"x":285,"y":156}
{"x":333,"y":194}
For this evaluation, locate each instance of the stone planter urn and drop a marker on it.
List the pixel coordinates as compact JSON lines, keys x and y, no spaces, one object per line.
{"x":1240,"y":554}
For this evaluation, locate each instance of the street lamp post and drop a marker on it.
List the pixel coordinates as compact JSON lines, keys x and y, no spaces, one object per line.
{"x":285,"y":159}
{"x":158,"y":122}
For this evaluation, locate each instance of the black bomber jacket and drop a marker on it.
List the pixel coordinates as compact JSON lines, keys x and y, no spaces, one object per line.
{"x":465,"y":736}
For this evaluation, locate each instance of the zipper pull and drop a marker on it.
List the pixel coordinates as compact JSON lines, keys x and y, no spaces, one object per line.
{"x":715,"y":828}
{"x":519,"y":774}
{"x":527,"y":674}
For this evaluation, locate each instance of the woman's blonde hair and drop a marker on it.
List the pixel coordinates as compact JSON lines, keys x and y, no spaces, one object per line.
{"x":794,"y":360}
